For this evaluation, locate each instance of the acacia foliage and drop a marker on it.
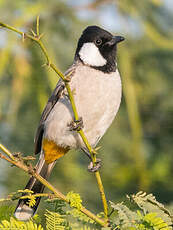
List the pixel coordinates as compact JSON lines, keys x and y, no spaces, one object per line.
{"x":139,"y":211}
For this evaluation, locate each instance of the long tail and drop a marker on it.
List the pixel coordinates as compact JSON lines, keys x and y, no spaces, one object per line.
{"x":23,"y":212}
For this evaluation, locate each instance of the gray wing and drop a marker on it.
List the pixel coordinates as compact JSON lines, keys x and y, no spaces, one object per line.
{"x":50,"y":104}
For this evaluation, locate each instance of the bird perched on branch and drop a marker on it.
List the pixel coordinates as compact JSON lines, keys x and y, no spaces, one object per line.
{"x":96,"y":85}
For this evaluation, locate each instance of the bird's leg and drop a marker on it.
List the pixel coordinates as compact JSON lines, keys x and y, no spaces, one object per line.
{"x":92,"y":167}
{"x":96,"y":167}
{"x":76,"y":125}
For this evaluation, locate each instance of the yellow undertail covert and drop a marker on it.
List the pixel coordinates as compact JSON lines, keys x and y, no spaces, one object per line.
{"x":52,"y":151}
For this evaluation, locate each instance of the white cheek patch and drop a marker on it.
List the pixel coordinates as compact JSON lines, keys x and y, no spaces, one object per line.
{"x":91,"y":55}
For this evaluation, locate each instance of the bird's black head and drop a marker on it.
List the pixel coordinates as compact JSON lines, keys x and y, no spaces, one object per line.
{"x":97,"y":48}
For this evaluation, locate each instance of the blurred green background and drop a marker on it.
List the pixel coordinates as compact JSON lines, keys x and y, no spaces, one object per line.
{"x":137,"y":149}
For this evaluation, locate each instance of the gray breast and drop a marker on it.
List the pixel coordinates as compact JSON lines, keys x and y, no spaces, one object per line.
{"x":97,"y":97}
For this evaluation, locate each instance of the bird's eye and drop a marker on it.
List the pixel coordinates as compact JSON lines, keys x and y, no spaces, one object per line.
{"x":98,"y":42}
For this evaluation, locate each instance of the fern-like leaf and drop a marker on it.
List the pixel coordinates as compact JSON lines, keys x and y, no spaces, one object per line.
{"x":57,"y":205}
{"x":19,"y":225}
{"x":31,"y":200}
{"x":151,"y":221}
{"x":55,"y":221}
{"x":148,"y":204}
{"x":126,"y":218}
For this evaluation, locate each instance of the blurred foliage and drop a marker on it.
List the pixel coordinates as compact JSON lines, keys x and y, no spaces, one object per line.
{"x":137,"y":149}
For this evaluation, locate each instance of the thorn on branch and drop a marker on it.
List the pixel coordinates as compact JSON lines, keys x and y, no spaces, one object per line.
{"x":67,"y":79}
{"x":40,"y":36}
{"x":46,"y":65}
{"x":23,"y":37}
{"x":94,"y":151}
{"x":97,"y":148}
{"x":33,"y":33}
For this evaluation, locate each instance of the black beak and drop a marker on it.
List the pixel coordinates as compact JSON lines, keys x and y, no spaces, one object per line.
{"x":119,"y":39}
{"x":115,"y":40}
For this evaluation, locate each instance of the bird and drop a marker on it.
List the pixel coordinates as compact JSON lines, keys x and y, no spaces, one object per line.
{"x":96,"y":85}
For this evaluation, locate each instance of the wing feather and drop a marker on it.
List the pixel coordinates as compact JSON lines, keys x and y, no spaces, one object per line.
{"x":49,"y":106}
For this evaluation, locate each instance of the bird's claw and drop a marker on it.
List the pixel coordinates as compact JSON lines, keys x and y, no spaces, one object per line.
{"x":76,"y":125}
{"x":96,"y":167}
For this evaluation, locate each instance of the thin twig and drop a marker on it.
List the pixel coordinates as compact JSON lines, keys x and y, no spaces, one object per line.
{"x":38,"y":25}
{"x":76,"y":116}
{"x":5,"y":150}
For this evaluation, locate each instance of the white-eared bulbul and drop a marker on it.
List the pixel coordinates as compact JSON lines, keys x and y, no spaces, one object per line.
{"x":96,"y":85}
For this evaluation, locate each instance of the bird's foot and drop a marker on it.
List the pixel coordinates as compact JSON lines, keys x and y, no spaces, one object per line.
{"x":96,"y":167}
{"x":76,"y":125}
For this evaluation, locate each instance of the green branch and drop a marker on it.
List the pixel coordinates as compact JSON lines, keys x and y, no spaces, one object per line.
{"x":37,"y":38}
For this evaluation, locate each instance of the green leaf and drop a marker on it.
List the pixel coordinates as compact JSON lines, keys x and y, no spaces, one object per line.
{"x":149,"y":204}
{"x":125,"y":217}
{"x":56,"y":221}
{"x":152,"y":221}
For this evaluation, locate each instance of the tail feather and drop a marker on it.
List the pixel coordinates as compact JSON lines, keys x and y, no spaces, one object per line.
{"x":23,"y":212}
